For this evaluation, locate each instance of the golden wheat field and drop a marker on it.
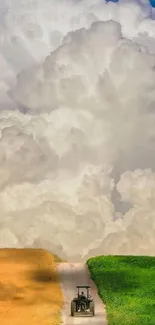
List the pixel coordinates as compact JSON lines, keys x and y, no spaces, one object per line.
{"x":29,"y":288}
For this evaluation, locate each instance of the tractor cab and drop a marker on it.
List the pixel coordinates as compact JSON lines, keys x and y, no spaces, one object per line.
{"x":86,"y":292}
{"x":83,"y":303}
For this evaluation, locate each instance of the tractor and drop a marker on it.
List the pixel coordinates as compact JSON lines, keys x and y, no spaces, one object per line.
{"x":83,"y":304}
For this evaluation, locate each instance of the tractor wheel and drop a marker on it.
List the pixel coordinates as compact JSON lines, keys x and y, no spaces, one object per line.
{"x":73,"y":308}
{"x":92,"y":308}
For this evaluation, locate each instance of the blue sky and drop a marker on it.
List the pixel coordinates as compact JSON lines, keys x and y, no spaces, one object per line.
{"x":152,"y":2}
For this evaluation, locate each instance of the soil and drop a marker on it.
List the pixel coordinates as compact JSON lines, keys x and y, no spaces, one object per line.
{"x":30,"y":292}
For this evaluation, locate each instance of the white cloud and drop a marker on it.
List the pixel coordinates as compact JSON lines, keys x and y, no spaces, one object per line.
{"x":137,"y":187}
{"x":78,"y":119}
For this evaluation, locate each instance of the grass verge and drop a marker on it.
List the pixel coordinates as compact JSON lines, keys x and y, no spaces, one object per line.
{"x":126,"y":284}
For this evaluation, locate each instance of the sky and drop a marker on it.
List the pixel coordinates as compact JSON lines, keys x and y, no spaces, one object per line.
{"x":152,"y":2}
{"x":77,"y":137}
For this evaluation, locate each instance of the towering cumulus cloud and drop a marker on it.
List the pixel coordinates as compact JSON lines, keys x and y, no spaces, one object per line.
{"x":77,"y":136}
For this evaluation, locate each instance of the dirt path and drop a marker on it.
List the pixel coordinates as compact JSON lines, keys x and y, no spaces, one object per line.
{"x":71,"y":275}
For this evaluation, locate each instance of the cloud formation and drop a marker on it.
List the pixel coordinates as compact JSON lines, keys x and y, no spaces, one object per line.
{"x":77,"y":128}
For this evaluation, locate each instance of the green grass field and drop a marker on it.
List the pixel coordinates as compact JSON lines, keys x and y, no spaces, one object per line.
{"x":126,"y":285}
